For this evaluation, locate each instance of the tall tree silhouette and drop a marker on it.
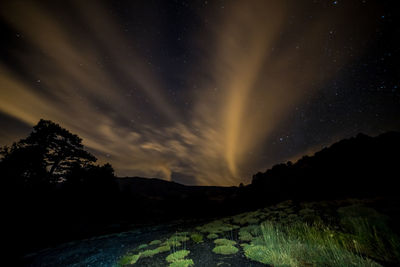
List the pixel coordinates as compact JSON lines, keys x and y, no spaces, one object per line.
{"x":49,"y":152}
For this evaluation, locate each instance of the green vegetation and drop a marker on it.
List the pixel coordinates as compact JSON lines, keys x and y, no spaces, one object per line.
{"x":302,"y":245}
{"x":247,"y":233}
{"x":128,"y":259}
{"x":177,"y":259}
{"x":182,"y":263}
{"x":314,"y":236}
{"x":172,"y":243}
{"x":197,"y":238}
{"x":155,"y":242}
{"x":252,"y":229}
{"x":149,"y":253}
{"x":245,"y":236}
{"x":142,"y":246}
{"x":182,"y":233}
{"x":216,"y":227}
{"x":212,"y":236}
{"x":268,"y":256}
{"x":178,"y":238}
{"x":179,"y":255}
{"x":247,"y":218}
{"x":224,"y":242}
{"x":225,"y":249}
{"x":175,"y":241}
{"x":164,"y":248}
{"x":371,"y":233}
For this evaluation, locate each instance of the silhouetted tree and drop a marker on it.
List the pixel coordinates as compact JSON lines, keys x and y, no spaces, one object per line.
{"x":53,"y":189}
{"x":22,"y":166}
{"x":49,"y":153}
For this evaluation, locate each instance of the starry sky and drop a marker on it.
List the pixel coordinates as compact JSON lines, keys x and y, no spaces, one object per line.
{"x":200,"y":92}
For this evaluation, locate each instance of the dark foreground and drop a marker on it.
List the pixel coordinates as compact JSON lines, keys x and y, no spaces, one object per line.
{"x":350,"y":232}
{"x":55,"y":193}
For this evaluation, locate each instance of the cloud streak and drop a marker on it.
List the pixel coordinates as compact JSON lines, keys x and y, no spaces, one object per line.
{"x":87,"y":75}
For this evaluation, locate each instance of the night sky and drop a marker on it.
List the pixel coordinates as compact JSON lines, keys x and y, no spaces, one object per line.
{"x":200,"y":92}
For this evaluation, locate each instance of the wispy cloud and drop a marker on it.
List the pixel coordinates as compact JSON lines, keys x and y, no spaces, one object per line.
{"x":85,"y":74}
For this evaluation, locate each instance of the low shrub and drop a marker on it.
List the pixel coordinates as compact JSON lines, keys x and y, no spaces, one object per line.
{"x":197,"y":238}
{"x":179,"y":255}
{"x":149,"y":253}
{"x":182,"y":263}
{"x":128,"y":259}
{"x":225,"y":250}
{"x":164,"y":248}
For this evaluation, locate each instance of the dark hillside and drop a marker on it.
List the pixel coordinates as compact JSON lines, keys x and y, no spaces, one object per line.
{"x":160,"y":200}
{"x":360,"y":166}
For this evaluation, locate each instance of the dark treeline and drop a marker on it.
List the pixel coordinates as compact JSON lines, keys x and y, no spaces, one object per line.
{"x":54,"y":192}
{"x":361,"y":166}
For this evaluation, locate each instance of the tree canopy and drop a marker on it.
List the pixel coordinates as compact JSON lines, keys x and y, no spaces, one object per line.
{"x":49,"y":153}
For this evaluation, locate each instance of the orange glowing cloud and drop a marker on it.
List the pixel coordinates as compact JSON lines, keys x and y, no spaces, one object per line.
{"x":251,"y":75}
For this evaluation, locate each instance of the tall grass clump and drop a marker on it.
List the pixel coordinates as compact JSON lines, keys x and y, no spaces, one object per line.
{"x":272,"y":247}
{"x":323,"y":246}
{"x":371,"y":231}
{"x":301,"y":245}
{"x":379,"y":241}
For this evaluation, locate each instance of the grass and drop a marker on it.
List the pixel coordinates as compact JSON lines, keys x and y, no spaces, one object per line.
{"x":197,"y":238}
{"x":302,"y":245}
{"x":247,"y":218}
{"x":245,"y":236}
{"x":164,"y":248}
{"x":178,"y":238}
{"x":225,"y":249}
{"x":142,"y":246}
{"x":172,"y":243}
{"x":177,"y":259}
{"x":182,"y":263}
{"x":374,"y":239}
{"x":266,"y":255}
{"x":149,"y":253}
{"x":252,"y":229}
{"x":212,"y":236}
{"x":216,"y":227}
{"x":179,"y":255}
{"x":128,"y":259}
{"x":155,"y":242}
{"x":177,"y":241}
{"x":358,"y":236}
{"x":247,"y":233}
